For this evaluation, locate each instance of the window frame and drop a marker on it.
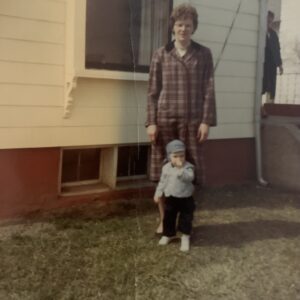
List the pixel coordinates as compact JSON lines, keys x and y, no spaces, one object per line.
{"x":80,"y":181}
{"x":75,"y":48}
{"x":135,"y":176}
{"x":107,"y":176}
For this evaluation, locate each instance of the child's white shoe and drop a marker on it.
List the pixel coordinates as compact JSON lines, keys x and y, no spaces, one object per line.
{"x":164,"y":240}
{"x":185,"y":243}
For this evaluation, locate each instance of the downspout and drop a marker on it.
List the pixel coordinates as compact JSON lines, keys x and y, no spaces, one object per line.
{"x":258,"y":97}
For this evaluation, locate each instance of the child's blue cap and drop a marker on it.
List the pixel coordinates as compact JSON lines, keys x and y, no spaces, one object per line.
{"x":175,"y":146}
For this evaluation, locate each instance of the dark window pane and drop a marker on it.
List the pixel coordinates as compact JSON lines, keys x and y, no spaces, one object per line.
{"x":89,"y":164}
{"x":132,"y":160}
{"x":123,"y":161}
{"x":122,"y":34}
{"x":70,"y":165}
{"x":80,"y":165}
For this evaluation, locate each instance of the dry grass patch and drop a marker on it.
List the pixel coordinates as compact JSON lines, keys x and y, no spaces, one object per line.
{"x":245,"y":245}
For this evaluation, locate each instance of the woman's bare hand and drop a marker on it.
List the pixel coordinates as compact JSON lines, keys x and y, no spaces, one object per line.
{"x":203,"y":131}
{"x":152,"y":132}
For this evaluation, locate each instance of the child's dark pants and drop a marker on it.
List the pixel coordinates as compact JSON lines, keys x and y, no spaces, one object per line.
{"x":185,"y":207}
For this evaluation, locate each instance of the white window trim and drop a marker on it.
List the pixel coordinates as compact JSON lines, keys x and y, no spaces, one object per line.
{"x":107,"y":168}
{"x":79,"y":51}
{"x":75,"y":55}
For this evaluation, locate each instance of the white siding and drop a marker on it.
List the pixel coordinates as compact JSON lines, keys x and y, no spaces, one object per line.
{"x":41,"y":53}
{"x":236,"y":71}
{"x":25,"y":95}
{"x":34,"y":10}
{"x":32,"y":68}
{"x":33,"y":42}
{"x":31,"y":30}
{"x":27,"y":137}
{"x":34,"y":74}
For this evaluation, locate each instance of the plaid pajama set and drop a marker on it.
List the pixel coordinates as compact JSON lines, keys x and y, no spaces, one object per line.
{"x":181,"y":96}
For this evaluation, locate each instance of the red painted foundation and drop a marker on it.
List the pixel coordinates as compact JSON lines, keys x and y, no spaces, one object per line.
{"x":229,"y":161}
{"x":29,"y":178}
{"x":284,"y":110}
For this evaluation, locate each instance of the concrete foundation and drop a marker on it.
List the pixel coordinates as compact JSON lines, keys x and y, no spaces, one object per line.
{"x":281,"y":152}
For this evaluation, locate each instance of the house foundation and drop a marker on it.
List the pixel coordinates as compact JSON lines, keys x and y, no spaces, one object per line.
{"x":30,"y":179}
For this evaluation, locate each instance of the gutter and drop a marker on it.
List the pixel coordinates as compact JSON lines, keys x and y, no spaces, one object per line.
{"x":258,"y":97}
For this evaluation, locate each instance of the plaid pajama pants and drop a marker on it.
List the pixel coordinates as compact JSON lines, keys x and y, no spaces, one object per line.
{"x":169,"y":130}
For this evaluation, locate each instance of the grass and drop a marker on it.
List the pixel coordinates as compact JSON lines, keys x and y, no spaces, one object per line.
{"x":245,"y":245}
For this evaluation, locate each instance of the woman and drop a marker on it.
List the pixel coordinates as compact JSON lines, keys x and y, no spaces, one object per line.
{"x":181,"y":96}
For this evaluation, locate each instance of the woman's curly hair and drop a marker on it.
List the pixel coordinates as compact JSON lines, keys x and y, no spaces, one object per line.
{"x":184,"y":11}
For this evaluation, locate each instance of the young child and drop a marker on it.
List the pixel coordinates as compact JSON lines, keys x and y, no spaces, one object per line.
{"x":176,"y":186}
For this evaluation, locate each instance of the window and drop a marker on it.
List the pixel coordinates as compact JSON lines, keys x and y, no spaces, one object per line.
{"x":132,"y":161}
{"x":80,"y":165}
{"x":122,"y":34}
{"x":87,"y":170}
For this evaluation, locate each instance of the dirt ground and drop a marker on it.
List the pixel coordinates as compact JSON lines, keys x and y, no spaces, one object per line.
{"x":245,"y":245}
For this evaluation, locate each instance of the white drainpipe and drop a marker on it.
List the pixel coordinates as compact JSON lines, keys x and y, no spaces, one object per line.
{"x":258,"y":97}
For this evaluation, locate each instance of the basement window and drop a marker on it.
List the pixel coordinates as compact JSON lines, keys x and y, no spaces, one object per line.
{"x":80,"y":165}
{"x":93,"y":170}
{"x":88,"y":170}
{"x":132,"y":161}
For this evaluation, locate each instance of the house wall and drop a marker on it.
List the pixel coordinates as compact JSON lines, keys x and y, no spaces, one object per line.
{"x":32,"y":37}
{"x":42,"y":48}
{"x":236,"y":71}
{"x":108,"y":111}
{"x":29,"y":178}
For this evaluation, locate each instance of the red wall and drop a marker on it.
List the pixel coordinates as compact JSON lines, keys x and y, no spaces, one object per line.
{"x":229,"y":161}
{"x":28,"y":179}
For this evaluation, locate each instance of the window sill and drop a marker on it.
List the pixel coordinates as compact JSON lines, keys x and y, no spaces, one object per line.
{"x":71,"y":82}
{"x":115,"y":75}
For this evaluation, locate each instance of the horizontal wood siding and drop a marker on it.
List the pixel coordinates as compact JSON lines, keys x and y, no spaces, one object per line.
{"x":32,"y":68}
{"x":30,"y":137}
{"x":38,"y":53}
{"x":100,"y":116}
{"x":31,"y":30}
{"x":34,"y":74}
{"x":236,"y":70}
{"x":234,"y":99}
{"x":32,"y":71}
{"x":30,"y":95}
{"x":101,"y":135}
{"x":249,"y":6}
{"x":34,"y":10}
{"x":221,"y":17}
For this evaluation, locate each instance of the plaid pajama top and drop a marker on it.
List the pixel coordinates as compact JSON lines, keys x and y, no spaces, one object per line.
{"x":181,"y":87}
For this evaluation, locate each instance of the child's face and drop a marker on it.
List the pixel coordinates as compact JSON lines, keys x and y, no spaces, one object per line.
{"x":177,"y":159}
